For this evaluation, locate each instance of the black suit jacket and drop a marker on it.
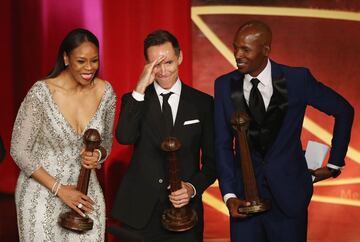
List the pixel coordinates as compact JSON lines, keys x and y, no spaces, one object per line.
{"x":145,"y":182}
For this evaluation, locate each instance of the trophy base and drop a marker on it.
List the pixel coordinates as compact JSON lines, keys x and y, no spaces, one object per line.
{"x":256,"y":207}
{"x":179,"y":219}
{"x":73,"y":221}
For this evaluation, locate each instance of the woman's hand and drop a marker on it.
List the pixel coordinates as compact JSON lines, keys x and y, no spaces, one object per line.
{"x":89,"y":159}
{"x":73,"y":198}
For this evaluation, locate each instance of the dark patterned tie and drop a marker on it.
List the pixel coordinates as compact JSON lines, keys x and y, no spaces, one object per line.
{"x":166,"y":110}
{"x":256,"y":102}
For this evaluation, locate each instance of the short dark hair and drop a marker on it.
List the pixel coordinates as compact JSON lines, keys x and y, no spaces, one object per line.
{"x":71,"y":41}
{"x":159,"y":37}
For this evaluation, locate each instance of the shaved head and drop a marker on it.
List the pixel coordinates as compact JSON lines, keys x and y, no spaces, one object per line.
{"x":260,"y":30}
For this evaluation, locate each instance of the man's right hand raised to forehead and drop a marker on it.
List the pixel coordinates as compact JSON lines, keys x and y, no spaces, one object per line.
{"x":147,"y":77}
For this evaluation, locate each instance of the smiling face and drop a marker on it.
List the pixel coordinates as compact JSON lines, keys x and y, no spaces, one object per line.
{"x":83,"y":63}
{"x":167,"y":71}
{"x":251,"y":50}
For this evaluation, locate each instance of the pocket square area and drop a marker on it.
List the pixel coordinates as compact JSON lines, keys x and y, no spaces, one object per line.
{"x":194,"y":121}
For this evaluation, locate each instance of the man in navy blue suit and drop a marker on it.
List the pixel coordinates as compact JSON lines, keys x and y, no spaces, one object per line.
{"x":275,"y":97}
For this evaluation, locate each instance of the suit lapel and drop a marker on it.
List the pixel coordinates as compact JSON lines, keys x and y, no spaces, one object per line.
{"x":183,"y":112}
{"x":278,"y":105}
{"x":237,"y":92}
{"x":279,"y":99}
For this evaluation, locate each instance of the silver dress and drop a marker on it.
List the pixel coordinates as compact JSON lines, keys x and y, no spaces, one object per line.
{"x":42,"y":137}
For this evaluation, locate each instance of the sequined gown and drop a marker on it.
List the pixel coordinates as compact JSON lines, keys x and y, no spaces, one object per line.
{"x":43,"y":137}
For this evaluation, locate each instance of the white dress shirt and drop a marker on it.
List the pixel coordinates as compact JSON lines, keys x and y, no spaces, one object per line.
{"x":173,"y":99}
{"x":265,"y":85}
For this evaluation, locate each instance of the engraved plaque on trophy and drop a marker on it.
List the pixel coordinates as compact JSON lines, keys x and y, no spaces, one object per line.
{"x":240,"y":122}
{"x":72,"y":220}
{"x":176,"y":219}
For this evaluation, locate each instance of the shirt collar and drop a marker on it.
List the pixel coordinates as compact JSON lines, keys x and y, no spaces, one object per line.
{"x":264,"y":77}
{"x":176,"y":88}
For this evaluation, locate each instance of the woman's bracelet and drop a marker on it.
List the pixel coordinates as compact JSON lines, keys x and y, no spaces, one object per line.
{"x":55,"y":188}
{"x":99,"y":153}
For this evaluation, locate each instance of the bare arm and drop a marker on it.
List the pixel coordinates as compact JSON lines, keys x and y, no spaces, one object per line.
{"x":68,"y":194}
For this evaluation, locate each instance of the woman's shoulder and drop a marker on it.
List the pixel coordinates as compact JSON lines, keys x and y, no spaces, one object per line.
{"x":102,"y":82}
{"x":37,"y":89}
{"x":36,"y":94}
{"x":50,"y":84}
{"x":107,"y":87}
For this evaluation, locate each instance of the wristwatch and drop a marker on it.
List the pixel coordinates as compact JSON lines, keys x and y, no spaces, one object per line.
{"x":334,"y":172}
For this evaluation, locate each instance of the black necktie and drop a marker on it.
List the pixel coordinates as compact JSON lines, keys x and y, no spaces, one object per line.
{"x":256,"y":102}
{"x":166,"y":110}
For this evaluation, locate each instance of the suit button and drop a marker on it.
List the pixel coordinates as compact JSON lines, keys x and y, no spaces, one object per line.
{"x":160,"y":180}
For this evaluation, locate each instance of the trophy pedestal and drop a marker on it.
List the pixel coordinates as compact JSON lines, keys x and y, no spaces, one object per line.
{"x":240,"y":122}
{"x":256,"y":207}
{"x":179,"y":219}
{"x":176,"y":219}
{"x":73,"y":221}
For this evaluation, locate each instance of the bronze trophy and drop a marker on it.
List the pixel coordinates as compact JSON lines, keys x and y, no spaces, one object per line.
{"x":71,"y":219}
{"x":176,"y":219}
{"x":240,"y":122}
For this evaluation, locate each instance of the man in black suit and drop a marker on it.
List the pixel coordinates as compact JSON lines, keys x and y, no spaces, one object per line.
{"x":144,"y":191}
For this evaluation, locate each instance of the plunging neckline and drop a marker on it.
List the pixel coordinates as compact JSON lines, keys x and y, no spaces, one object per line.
{"x":67,"y":123}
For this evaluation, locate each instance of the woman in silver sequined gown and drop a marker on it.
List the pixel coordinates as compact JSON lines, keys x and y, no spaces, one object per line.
{"x":47,"y":143}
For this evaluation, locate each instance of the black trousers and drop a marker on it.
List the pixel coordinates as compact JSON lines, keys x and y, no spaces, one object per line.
{"x":154,"y":231}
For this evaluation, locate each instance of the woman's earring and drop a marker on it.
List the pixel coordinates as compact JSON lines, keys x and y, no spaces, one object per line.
{"x":66,"y":64}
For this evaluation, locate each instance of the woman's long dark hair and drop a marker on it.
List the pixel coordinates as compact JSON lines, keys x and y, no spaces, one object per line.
{"x":72,"y":40}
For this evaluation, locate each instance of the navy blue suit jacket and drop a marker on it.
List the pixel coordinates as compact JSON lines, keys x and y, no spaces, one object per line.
{"x":283,"y":167}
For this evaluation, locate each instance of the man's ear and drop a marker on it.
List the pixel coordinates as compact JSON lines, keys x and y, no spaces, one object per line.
{"x":266,"y":50}
{"x":180,"y":58}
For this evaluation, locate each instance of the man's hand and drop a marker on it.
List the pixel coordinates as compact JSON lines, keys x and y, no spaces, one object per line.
{"x":233,"y":205}
{"x":148,"y":75}
{"x":320,"y":174}
{"x":182,"y":196}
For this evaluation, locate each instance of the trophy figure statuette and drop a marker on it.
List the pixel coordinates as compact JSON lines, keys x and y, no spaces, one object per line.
{"x":72,"y":220}
{"x":240,"y":122}
{"x":176,"y":219}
